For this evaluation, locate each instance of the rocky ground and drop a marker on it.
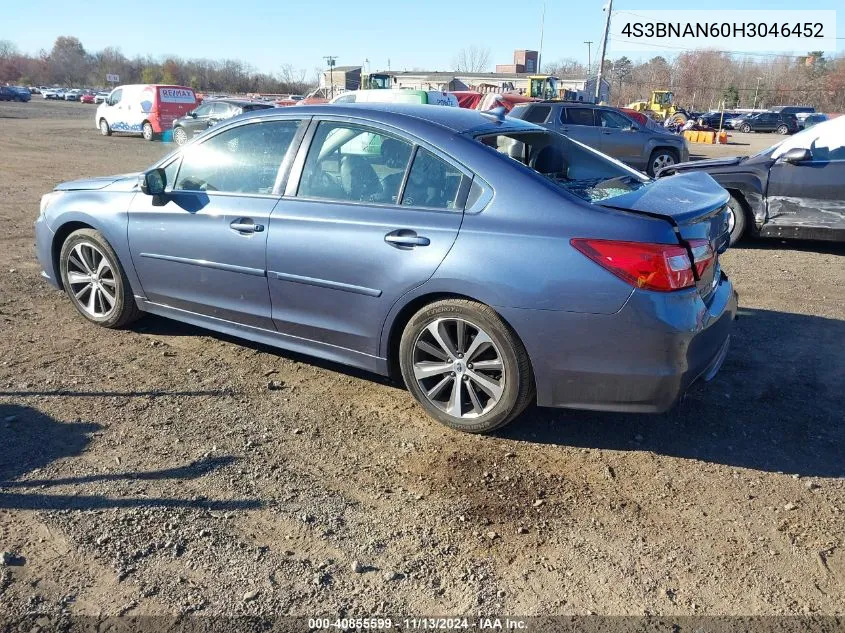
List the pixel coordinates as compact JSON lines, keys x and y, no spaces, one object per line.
{"x":163,"y":469}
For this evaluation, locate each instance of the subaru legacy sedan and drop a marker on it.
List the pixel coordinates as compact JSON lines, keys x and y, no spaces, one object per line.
{"x":485,"y":261}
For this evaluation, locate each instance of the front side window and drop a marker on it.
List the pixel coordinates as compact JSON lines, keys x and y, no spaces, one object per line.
{"x":244,"y":159}
{"x":115,"y":97}
{"x":203,"y":110}
{"x":354,"y":164}
{"x":432,"y":183}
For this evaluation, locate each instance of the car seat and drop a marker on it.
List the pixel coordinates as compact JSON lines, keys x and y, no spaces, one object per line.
{"x":359,"y":179}
{"x":549,"y":161}
{"x":395,"y":155}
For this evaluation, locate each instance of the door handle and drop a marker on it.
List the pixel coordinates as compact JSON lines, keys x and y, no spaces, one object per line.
{"x":245,"y":226}
{"x":406,"y":238}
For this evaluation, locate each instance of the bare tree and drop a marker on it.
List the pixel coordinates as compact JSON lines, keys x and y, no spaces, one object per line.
{"x":472,"y":59}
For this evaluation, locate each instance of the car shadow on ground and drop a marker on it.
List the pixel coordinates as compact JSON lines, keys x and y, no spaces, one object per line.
{"x":161,"y":326}
{"x":31,"y":441}
{"x":810,"y":246}
{"x":776,"y":405}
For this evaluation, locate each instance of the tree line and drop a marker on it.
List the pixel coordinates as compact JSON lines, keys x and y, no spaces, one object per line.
{"x":704,"y":80}
{"x":701,"y":80}
{"x":68,"y":64}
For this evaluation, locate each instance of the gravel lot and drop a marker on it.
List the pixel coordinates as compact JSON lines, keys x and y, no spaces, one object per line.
{"x":153,"y":471}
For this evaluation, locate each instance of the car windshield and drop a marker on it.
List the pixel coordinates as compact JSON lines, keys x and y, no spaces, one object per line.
{"x":576,"y":168}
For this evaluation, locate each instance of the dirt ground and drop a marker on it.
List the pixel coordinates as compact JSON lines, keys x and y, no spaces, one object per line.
{"x":152,"y":471}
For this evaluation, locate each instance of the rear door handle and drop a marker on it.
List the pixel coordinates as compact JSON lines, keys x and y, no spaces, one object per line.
{"x":406,"y":238}
{"x":246,"y":226}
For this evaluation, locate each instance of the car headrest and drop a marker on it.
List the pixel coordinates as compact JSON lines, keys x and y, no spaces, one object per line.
{"x":549,"y":160}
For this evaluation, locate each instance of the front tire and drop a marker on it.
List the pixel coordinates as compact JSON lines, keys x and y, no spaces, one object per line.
{"x":147,"y":131}
{"x":659,"y":159}
{"x":95,"y":281}
{"x":105,"y":130}
{"x":180,"y":136}
{"x":465,"y":366}
{"x":736,"y":218}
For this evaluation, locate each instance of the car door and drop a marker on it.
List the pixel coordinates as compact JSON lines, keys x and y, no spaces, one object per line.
{"x":201,"y":247}
{"x":199,"y":121}
{"x":580,"y":123}
{"x":810,"y":193}
{"x":357,"y":229}
{"x":113,"y":110}
{"x":766,"y":122}
{"x":620,"y":138}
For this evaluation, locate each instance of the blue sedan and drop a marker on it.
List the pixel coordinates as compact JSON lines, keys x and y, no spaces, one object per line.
{"x":485,"y":261}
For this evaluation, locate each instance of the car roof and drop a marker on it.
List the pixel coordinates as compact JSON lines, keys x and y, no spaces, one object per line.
{"x":459,"y":120}
{"x":237,"y":102}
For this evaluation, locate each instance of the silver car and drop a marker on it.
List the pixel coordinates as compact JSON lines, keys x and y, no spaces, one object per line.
{"x":609,"y":131}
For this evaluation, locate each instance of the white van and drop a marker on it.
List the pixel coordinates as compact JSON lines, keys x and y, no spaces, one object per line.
{"x":431,"y":97}
{"x":146,"y":109}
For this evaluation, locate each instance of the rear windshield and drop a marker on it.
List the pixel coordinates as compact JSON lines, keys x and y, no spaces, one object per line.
{"x":573,"y":166}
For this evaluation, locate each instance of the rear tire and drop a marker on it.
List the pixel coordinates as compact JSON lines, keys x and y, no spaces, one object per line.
{"x":745,"y":128}
{"x":105,"y":130}
{"x":147,"y":131}
{"x":783,"y":130}
{"x":95,"y":281}
{"x":659,"y":159}
{"x":441,"y":353}
{"x":737,"y":220}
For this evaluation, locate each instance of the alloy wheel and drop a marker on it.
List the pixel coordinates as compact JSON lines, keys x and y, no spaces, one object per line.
{"x":662,"y":160}
{"x":458,"y":367}
{"x":180,"y":136}
{"x":92,"y":280}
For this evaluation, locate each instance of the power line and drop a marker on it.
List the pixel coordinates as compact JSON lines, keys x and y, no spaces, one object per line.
{"x":693,"y":50}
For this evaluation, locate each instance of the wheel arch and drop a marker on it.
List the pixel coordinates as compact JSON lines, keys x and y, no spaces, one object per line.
{"x":59,"y":238}
{"x":392,"y":331}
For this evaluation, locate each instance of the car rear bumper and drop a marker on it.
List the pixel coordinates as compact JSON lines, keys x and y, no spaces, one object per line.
{"x":641,"y":359}
{"x":44,"y":251}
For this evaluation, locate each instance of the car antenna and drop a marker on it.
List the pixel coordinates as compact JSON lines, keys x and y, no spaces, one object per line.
{"x":497,"y":114}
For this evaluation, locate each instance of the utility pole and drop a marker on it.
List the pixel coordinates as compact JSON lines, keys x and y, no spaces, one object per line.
{"x":609,"y":9}
{"x":589,"y":57}
{"x":542,"y":24}
{"x":754,"y":107}
{"x":330,"y":61}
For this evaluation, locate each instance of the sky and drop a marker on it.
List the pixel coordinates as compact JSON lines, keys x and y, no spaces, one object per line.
{"x":420,"y":34}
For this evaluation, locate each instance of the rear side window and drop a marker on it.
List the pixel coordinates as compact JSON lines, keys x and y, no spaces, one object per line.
{"x":537,"y":114}
{"x":432,"y":183}
{"x":578,"y":116}
{"x":614,"y":120}
{"x":244,"y":159}
{"x":351,"y":163}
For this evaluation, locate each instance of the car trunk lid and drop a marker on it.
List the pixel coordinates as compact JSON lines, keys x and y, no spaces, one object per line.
{"x":695,"y":205}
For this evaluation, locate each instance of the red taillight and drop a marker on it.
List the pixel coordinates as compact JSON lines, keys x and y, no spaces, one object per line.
{"x":702,"y":256}
{"x":661,"y":267}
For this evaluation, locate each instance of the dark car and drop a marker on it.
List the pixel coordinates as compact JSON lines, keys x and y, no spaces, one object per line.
{"x":210,"y":113}
{"x":717,"y":119}
{"x":14,"y":93}
{"x":609,"y":131}
{"x":793,"y":189}
{"x":485,"y":261}
{"x":782,"y":123}
{"x":793,"y":109}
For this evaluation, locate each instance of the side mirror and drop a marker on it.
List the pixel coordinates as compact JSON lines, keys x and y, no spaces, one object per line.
{"x":193,"y":113}
{"x":153,"y":182}
{"x":796,"y":155}
{"x":634,"y":128}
